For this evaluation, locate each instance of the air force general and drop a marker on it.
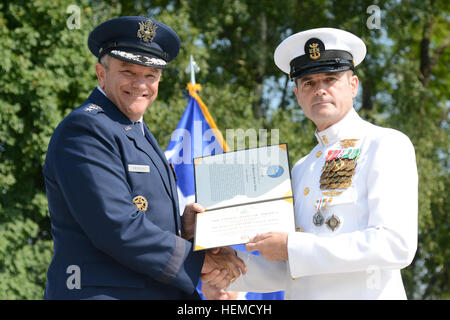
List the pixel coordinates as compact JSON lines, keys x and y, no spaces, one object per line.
{"x":112,"y":195}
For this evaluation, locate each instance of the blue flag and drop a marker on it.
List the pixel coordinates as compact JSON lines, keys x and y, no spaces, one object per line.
{"x":197,"y":136}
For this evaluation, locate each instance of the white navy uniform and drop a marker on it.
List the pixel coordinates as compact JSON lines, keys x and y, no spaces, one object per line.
{"x":376,"y":234}
{"x":355,"y":195}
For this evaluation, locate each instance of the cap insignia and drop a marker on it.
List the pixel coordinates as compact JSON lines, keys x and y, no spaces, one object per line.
{"x":314,"y":47}
{"x":147,"y":31}
{"x":314,"y":51}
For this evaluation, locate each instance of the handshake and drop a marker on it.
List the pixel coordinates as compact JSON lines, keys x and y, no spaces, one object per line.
{"x":222,"y":265}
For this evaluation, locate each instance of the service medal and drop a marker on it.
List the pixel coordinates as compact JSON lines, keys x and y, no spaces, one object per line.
{"x":318,"y":219}
{"x":333,"y":223}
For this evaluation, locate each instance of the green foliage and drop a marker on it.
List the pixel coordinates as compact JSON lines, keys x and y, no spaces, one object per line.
{"x":47,"y":70}
{"x":44,"y":74}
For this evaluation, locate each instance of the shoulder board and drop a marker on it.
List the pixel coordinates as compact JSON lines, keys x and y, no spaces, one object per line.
{"x":93,"y":108}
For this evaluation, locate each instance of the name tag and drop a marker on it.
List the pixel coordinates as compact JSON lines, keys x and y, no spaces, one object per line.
{"x":138,"y":168}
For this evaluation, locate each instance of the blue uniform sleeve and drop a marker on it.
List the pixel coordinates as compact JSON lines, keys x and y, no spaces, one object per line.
{"x":87,"y":166}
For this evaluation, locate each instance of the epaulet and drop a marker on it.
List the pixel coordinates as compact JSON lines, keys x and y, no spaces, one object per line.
{"x":93,"y":108}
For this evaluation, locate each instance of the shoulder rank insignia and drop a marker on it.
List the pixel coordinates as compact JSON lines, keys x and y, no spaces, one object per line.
{"x":93,"y":108}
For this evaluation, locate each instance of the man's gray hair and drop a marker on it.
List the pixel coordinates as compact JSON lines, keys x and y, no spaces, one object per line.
{"x":104,"y":60}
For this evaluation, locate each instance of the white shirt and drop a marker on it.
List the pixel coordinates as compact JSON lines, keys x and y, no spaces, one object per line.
{"x":377,"y":234}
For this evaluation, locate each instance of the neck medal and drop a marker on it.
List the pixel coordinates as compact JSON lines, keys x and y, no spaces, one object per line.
{"x":339,"y":168}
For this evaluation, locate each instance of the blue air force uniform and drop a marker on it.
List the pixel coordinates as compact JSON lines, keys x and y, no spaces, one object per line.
{"x":112,"y":195}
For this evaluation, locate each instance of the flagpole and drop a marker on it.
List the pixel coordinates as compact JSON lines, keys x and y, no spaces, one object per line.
{"x":192,"y":67}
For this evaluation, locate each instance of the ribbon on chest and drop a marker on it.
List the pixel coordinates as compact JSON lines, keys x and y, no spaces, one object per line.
{"x":339,"y":168}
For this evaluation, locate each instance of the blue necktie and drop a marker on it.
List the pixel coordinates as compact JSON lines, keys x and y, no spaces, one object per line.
{"x":141,"y":125}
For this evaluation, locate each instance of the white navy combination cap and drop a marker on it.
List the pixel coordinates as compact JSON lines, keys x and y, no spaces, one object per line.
{"x":319,"y":50}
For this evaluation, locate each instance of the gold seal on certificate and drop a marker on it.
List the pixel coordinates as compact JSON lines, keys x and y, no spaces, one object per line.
{"x":245,"y":192}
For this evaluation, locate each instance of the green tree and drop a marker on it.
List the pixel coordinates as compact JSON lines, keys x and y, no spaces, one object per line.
{"x":419,"y":106}
{"x":45,"y":73}
{"x":47,"y":70}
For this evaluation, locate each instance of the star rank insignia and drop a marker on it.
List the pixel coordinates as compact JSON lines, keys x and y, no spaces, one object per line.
{"x":93,"y":107}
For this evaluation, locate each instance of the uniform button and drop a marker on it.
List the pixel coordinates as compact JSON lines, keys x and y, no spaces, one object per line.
{"x":318,"y":154}
{"x":325,"y":140}
{"x":298,"y":229}
{"x":294,"y":278}
{"x":306,"y":191}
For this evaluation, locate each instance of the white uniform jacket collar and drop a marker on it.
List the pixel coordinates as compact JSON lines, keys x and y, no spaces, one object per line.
{"x":340,"y":130}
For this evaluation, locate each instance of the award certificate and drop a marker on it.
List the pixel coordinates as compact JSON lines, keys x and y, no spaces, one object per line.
{"x":245,"y":192}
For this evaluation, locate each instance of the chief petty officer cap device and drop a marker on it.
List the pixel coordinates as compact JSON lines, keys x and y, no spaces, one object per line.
{"x":319,"y":50}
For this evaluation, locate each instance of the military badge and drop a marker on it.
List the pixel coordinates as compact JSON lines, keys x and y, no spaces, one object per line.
{"x":348,"y":143}
{"x":141,"y":203}
{"x":313,"y":48}
{"x":333,"y":222}
{"x":147,"y":31}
